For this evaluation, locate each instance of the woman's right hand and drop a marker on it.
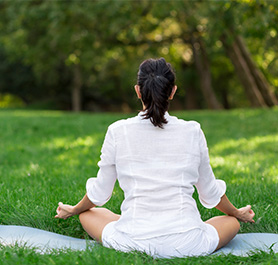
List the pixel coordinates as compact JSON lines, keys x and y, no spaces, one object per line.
{"x":245,"y":214}
{"x":64,"y":211}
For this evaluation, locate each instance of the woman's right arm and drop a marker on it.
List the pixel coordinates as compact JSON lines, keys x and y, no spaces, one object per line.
{"x":65,"y":211}
{"x":244,"y":214}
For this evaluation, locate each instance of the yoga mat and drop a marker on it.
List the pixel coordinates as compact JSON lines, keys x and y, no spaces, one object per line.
{"x":246,"y":244}
{"x":43,"y":241}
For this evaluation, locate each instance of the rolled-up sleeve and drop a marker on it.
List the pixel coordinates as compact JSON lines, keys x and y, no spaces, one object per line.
{"x":210,"y":190}
{"x":99,"y":189}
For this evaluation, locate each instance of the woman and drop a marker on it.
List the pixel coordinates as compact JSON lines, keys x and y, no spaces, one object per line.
{"x":157,"y":160}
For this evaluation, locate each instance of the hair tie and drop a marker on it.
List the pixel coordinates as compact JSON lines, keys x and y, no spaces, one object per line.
{"x":154,"y":76}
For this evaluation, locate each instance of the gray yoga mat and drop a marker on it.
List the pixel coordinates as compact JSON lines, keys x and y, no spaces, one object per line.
{"x":43,"y":241}
{"x":246,"y":244}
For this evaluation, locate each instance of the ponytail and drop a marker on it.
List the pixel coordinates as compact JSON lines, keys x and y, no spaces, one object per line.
{"x":156,"y":80}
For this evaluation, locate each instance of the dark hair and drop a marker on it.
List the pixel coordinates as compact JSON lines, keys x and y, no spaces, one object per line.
{"x":156,"y":80}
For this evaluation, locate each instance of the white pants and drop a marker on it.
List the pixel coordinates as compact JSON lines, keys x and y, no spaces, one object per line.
{"x":195,"y":242}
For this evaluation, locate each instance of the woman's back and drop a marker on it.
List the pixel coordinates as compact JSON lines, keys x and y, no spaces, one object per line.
{"x":157,"y":169}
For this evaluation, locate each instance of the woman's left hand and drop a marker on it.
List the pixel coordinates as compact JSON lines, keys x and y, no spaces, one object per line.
{"x":64,"y":211}
{"x":246,"y":214}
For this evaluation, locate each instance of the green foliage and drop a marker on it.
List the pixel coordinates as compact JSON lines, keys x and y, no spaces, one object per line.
{"x":108,"y":40}
{"x":10,"y":101}
{"x":47,"y":156}
{"x":17,"y":79}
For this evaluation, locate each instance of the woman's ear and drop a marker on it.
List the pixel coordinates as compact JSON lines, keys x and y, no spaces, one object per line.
{"x":137,"y":90}
{"x":173,"y":92}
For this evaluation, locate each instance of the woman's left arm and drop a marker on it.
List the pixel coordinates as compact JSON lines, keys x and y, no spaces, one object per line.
{"x":244,"y":214}
{"x":65,"y":211}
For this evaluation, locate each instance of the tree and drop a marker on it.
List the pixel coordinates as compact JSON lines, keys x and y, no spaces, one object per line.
{"x":255,"y":84}
{"x":203,"y":68}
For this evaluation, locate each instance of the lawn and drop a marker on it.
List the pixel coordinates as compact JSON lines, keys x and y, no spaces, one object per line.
{"x":47,"y":156}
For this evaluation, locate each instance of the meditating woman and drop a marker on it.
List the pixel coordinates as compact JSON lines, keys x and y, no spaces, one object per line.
{"x":157,"y":159}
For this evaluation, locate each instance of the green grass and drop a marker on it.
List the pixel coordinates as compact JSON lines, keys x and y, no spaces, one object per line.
{"x":47,"y":156}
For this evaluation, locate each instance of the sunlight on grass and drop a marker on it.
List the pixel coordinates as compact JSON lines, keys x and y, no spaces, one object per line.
{"x":217,"y":161}
{"x":34,"y":169}
{"x":67,"y":143}
{"x":247,"y":145}
{"x":248,"y":157}
{"x":75,"y":151}
{"x":29,"y":113}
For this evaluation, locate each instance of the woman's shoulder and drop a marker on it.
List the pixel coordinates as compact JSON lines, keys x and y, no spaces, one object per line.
{"x":123,"y":122}
{"x":186,"y":123}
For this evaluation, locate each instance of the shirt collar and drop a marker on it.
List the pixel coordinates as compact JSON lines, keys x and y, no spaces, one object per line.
{"x":141,"y":115}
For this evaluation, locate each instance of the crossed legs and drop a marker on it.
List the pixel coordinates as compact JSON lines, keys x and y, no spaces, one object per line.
{"x":95,"y":219}
{"x":227,"y":227}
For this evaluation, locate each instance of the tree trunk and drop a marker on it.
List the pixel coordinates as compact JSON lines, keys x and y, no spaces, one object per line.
{"x":76,"y":89}
{"x":245,"y":76}
{"x":261,"y":82}
{"x":190,"y":92}
{"x":203,"y":69}
{"x":190,"y":100}
{"x":225,"y":101}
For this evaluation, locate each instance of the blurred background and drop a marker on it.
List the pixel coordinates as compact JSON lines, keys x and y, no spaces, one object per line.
{"x":84,"y":55}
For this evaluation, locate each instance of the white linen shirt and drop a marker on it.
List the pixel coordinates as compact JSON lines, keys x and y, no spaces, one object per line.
{"x":157,"y":169}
